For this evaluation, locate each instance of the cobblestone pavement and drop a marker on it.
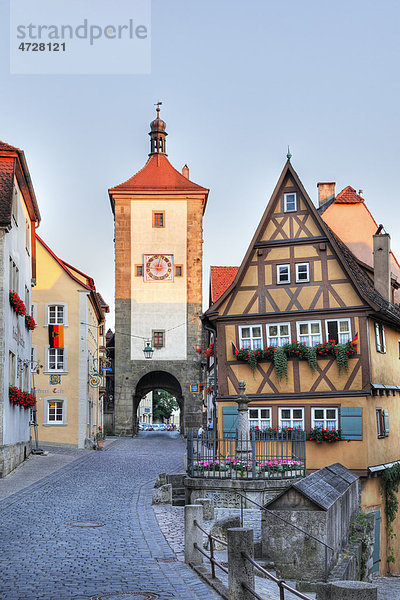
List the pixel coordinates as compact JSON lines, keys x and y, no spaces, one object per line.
{"x":171,"y":522}
{"x":43,"y":557}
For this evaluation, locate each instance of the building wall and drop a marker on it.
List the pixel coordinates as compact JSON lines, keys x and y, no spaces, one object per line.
{"x":385,"y":365}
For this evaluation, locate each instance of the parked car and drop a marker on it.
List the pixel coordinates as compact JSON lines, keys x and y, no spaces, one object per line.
{"x":162,"y":427}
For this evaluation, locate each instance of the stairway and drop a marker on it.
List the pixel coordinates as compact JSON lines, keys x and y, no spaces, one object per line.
{"x":178,"y":488}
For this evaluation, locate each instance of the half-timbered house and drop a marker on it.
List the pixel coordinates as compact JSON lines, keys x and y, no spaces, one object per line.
{"x":300,"y":287}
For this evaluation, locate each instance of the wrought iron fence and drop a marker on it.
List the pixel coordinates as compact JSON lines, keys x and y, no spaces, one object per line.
{"x":280,"y":455}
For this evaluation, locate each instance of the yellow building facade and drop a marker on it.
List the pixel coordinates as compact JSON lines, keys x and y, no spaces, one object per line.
{"x":67,"y":379}
{"x":299,"y":284}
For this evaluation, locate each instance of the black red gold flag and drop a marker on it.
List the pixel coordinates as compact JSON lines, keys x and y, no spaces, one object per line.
{"x":56,"y":336}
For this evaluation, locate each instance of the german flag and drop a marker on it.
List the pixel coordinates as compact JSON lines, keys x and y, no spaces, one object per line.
{"x":56,"y":336}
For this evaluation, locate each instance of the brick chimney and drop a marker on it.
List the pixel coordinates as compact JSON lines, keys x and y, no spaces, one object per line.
{"x":185,"y":171}
{"x":382,"y":282}
{"x":326,"y":192}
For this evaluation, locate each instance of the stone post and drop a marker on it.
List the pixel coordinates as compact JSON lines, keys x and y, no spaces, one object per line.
{"x":240,"y":541}
{"x":193,"y":534}
{"x":243,"y":448}
{"x":208,"y":508}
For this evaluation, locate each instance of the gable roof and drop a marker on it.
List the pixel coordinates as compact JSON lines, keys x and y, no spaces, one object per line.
{"x":348,"y":196}
{"x":7,"y":166}
{"x":220,"y":279}
{"x":158,"y":174}
{"x":7,"y":147}
{"x":359,"y":279}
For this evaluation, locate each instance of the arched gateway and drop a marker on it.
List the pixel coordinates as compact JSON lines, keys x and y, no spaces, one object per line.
{"x":158,"y":285}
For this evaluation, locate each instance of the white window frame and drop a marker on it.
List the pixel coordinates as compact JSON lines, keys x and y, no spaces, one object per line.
{"x":309,"y":341}
{"x":293,"y":421}
{"x":279,"y":336}
{"x":285,"y":202}
{"x":33,"y":361}
{"x":63,"y":420}
{"x":382,"y":422}
{"x":302,"y":280}
{"x":15,"y":202}
{"x":56,"y":351}
{"x":259,"y":420}
{"x":278,"y":274}
{"x":12,"y":368}
{"x":254,"y":344}
{"x":339,"y":341}
{"x":14,"y":276}
{"x":380,"y":337}
{"x":325,"y":419}
{"x":49,"y":305}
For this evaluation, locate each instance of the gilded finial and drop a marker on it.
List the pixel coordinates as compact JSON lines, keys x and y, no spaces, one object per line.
{"x":288,"y":155}
{"x":158,"y":104}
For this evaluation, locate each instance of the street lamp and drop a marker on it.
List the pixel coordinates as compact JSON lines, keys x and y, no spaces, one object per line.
{"x":148,"y":350}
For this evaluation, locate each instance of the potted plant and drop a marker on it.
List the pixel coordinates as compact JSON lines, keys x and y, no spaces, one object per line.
{"x":99,"y":438}
{"x":17,"y":304}
{"x":30,"y":322}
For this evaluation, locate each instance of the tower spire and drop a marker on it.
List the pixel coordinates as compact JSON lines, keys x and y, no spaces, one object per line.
{"x":158,"y":134}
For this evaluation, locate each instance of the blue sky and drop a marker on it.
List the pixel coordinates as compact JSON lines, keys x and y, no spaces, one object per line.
{"x":239,"y":81}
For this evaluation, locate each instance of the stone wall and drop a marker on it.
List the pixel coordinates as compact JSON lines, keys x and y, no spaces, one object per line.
{"x":12,"y":455}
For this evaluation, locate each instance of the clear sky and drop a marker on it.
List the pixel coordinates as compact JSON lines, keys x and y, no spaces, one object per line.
{"x":239,"y":81}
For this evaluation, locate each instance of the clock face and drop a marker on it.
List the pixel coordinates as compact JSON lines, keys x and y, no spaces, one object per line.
{"x":158,"y":267}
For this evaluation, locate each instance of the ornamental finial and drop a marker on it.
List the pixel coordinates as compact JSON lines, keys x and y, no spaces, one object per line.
{"x":288,"y":155}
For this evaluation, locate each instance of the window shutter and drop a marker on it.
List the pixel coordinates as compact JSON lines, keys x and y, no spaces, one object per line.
{"x":386,"y":422}
{"x":351,"y":422}
{"x":383,"y":339}
{"x":229,"y":420}
{"x":377,"y":340}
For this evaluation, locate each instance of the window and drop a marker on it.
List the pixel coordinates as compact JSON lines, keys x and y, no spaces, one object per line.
{"x":291,"y":417}
{"x":55,"y":359}
{"x":139,"y":270}
{"x":12,"y":365}
{"x":250,"y":337}
{"x":289,"y":202}
{"x":260,"y":417}
{"x":324,"y":418}
{"x":27,"y":300}
{"x":178,"y":270}
{"x":278,"y":334}
{"x":15,"y":205}
{"x":55,"y":412}
{"x":14,"y":276}
{"x":26,"y":377}
{"x":33,"y":359}
{"x":283,"y":273}
{"x":309,"y":332}
{"x":338,"y":330}
{"x":55,"y":314}
{"x":380,"y":338}
{"x":302,"y":272}
{"x":28,"y":236}
{"x":382,"y":422}
{"x":158,"y":339}
{"x":158,"y":219}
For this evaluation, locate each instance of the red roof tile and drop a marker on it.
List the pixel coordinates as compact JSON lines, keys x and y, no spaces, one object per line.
{"x":7,"y":147}
{"x":221,"y":279}
{"x":6,"y":189}
{"x":348,"y":196}
{"x":158,"y":174}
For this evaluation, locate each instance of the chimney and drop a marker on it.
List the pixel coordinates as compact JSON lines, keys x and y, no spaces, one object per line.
{"x":360,"y":193}
{"x":382,"y":282}
{"x":185,"y":171}
{"x":326,"y":192}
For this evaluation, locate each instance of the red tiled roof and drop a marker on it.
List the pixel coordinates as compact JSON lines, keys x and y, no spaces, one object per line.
{"x":221,"y":279}
{"x":6,"y":189}
{"x":7,"y":147}
{"x":158,"y":174}
{"x":348,"y":196}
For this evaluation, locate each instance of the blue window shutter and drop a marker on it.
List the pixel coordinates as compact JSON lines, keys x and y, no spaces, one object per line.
{"x":351,"y":422}
{"x":229,"y":420}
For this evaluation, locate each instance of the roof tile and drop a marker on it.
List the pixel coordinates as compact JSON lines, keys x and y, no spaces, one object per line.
{"x":6,"y":189}
{"x":348,"y":196}
{"x":221,"y":279}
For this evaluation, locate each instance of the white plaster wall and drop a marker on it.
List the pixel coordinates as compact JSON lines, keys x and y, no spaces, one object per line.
{"x":159,"y":305}
{"x":15,"y":418}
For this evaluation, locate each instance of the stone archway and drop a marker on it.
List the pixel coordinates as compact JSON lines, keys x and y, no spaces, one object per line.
{"x":158,"y":380}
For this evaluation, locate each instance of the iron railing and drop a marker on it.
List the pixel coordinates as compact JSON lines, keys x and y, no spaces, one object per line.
{"x":279,"y":455}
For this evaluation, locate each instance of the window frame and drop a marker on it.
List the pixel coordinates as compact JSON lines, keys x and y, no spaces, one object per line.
{"x":325,"y":419}
{"x":285,"y":202}
{"x":155,"y":217}
{"x":251,"y":338}
{"x":176,"y":267}
{"x":153,"y":337}
{"x":56,"y":422}
{"x":48,"y":305}
{"x":337,"y":321}
{"x":56,"y":351}
{"x":12,"y":368}
{"x":298,"y":323}
{"x":268,"y":325}
{"x":278,"y":275}
{"x":259,"y":419}
{"x":33,"y":361}
{"x":291,"y":419}
{"x":382,"y":422}
{"x":305,"y":264}
{"x":380,"y":341}
{"x":138,"y":270}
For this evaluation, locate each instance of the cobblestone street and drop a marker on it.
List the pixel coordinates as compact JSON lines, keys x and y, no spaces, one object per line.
{"x":43,"y":557}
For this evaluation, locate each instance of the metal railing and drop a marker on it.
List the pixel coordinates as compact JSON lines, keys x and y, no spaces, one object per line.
{"x":277,"y":455}
{"x":279,"y":582}
{"x":303,"y":531}
{"x":210,"y":557}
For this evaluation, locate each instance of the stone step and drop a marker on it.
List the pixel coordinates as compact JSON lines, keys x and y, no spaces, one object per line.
{"x":178,"y":492}
{"x":178,"y":501}
{"x":176,"y":479}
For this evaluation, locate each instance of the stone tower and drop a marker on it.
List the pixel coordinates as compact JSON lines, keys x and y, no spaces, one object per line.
{"x":158,"y":217}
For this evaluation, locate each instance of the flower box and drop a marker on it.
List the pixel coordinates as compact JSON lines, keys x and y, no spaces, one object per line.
{"x":17,"y":304}
{"x":30,"y":323}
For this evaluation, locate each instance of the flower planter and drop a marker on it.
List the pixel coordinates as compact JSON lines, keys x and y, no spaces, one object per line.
{"x":17,"y":304}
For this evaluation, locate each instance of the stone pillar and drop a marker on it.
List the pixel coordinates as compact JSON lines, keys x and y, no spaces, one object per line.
{"x":208,"y":508}
{"x":193,"y":535}
{"x":353,"y":590}
{"x":240,"y":541}
{"x":243,"y":447}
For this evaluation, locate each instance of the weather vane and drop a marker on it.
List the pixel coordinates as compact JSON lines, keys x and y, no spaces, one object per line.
{"x":158,"y":104}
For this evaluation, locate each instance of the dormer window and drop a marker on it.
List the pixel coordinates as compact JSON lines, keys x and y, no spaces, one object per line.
{"x":289,"y":202}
